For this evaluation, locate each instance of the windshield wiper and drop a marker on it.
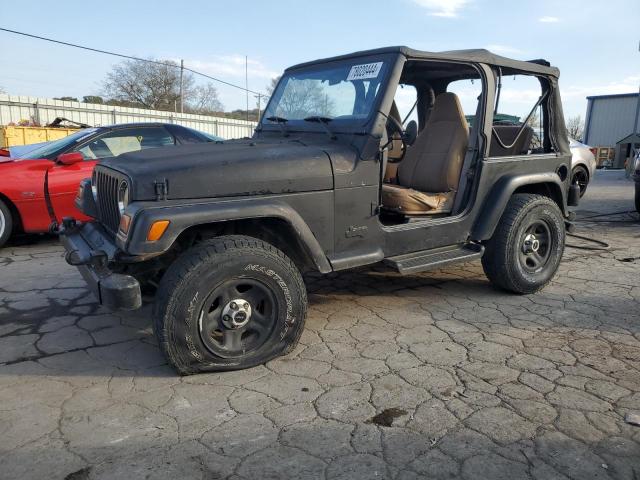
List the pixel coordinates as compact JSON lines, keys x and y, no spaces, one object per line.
{"x":281,"y":121}
{"x":324,"y":122}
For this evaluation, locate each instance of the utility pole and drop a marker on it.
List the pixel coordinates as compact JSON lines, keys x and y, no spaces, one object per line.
{"x":246,"y":82}
{"x":259,"y":97}
{"x":181,"y":86}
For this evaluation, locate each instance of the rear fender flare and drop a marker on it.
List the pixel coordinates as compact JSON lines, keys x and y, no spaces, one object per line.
{"x":497,"y":200}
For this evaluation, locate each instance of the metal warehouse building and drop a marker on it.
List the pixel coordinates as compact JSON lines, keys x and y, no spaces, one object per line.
{"x":612,"y":121}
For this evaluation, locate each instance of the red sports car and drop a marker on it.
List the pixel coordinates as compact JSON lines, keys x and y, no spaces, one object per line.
{"x":55,"y":169}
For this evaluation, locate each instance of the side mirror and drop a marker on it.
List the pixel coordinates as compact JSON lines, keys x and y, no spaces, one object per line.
{"x":411,"y":133}
{"x":70,"y":158}
{"x":4,"y":152}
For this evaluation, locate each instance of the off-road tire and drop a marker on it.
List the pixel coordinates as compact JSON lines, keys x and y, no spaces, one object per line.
{"x":637,"y":196}
{"x":501,"y":260}
{"x":6,"y":223}
{"x":580,"y":174}
{"x":182,"y":297}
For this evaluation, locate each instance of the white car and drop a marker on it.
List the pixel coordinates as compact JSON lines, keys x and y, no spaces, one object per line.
{"x":583,"y":164}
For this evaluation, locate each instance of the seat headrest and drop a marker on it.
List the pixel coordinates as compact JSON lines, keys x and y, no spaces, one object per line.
{"x":447,"y":108}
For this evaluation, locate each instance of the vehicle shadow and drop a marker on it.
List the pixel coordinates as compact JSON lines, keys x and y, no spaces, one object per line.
{"x":27,"y":239}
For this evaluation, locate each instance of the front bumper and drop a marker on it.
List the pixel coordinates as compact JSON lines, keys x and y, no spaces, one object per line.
{"x":90,"y":250}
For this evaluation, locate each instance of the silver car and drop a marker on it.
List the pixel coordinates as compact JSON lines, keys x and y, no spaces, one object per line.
{"x":583,"y":164}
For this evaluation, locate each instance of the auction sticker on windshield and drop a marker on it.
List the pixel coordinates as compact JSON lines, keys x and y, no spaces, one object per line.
{"x":364,"y":71}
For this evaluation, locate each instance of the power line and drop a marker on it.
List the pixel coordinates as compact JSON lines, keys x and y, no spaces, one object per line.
{"x":130,"y":57}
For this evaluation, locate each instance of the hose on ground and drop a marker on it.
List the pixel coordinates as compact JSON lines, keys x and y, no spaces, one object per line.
{"x":601,"y":245}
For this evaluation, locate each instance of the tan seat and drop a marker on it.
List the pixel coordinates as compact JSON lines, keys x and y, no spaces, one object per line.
{"x":428,"y":175}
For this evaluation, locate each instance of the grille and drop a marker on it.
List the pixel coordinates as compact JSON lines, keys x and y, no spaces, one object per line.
{"x":107,"y":193}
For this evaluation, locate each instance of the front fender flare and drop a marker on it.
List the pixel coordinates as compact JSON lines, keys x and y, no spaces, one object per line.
{"x":185,"y":215}
{"x":497,"y":200}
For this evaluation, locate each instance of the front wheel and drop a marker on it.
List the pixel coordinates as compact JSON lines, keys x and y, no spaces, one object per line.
{"x":231,"y":303}
{"x":525,"y":250}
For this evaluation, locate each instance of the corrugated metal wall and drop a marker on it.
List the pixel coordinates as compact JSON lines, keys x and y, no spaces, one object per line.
{"x":609,"y":119}
{"x":45,"y":110}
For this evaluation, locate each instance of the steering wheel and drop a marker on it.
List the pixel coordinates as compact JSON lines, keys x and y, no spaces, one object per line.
{"x":395,"y":127}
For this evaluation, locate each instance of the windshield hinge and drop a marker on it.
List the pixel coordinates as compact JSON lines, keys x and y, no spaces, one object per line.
{"x":161,"y":188}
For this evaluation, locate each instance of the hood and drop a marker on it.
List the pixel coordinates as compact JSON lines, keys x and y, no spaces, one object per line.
{"x":232,"y":168}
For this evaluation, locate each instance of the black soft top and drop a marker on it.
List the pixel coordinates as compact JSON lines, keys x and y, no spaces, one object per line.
{"x":508,"y":65}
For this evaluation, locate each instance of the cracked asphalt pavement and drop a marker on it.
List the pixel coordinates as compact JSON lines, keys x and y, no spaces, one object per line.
{"x":436,"y":375}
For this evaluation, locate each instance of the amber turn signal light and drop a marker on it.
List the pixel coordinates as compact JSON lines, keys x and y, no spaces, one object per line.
{"x":125,"y":223}
{"x":157,"y":230}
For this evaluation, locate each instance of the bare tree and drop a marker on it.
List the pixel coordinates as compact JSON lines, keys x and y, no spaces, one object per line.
{"x":2,"y":90}
{"x":272,"y":85}
{"x":534,"y":120}
{"x":204,"y":100}
{"x":92,"y":99}
{"x":575,"y":127}
{"x":301,"y":98}
{"x":157,"y":86}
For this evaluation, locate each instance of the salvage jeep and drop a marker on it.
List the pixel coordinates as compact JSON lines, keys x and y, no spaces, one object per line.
{"x":334,"y":178}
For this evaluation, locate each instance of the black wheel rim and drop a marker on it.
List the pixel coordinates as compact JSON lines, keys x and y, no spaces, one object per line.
{"x":536,"y":245}
{"x":580,"y":176}
{"x":233,"y":332}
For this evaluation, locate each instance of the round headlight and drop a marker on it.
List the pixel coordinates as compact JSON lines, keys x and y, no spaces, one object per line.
{"x":123,"y":196}
{"x":94,"y":187}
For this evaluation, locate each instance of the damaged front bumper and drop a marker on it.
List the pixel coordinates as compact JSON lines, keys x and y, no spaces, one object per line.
{"x":90,"y":249}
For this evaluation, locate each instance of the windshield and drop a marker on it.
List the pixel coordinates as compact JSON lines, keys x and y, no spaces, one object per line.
{"x":345,"y":92}
{"x":51,"y":148}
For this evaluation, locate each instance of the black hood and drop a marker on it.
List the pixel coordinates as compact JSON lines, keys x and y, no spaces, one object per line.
{"x":232,"y":168}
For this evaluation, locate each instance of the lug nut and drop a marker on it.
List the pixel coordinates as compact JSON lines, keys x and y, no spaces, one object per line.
{"x":226,"y":318}
{"x":234,"y":305}
{"x":246,"y":306}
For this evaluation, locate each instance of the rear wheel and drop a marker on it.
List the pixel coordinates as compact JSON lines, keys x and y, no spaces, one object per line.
{"x":580,"y":175}
{"x":526,"y":248}
{"x":6,"y":223}
{"x":228,"y":304}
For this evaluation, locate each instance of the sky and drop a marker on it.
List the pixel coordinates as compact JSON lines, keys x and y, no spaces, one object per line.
{"x":595,"y":47}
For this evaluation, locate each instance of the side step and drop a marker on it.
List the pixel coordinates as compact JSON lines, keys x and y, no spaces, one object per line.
{"x":432,"y":259}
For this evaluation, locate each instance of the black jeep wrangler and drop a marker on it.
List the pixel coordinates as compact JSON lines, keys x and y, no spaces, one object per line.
{"x":333,"y":178}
